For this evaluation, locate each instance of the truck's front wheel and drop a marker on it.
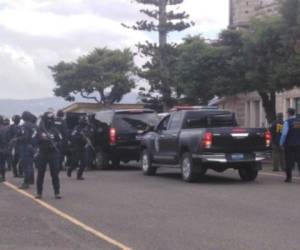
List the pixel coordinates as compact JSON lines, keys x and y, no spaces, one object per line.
{"x":248,"y":173}
{"x":146,"y":163}
{"x":188,"y":172}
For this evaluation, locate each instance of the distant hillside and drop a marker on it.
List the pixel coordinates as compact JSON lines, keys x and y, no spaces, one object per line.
{"x":38,"y":106}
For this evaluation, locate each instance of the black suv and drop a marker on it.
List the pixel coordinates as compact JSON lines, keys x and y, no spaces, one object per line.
{"x":119,"y":135}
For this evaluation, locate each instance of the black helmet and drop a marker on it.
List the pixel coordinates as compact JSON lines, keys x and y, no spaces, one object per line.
{"x":26,"y":115}
{"x":82,"y":121}
{"x":33,"y":118}
{"x":16,"y":119}
{"x":48,"y":119}
{"x":60,"y":113}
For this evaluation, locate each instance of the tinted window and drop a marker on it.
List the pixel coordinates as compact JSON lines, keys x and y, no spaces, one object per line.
{"x":210,"y":120}
{"x":175,"y":121}
{"x":163,"y":124}
{"x":105,"y":116}
{"x":133,"y":122}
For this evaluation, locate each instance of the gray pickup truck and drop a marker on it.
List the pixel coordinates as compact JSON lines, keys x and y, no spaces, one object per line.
{"x":196,"y":140}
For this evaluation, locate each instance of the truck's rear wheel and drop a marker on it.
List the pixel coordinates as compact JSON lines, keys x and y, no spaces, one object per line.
{"x":146,"y":163}
{"x":248,"y":173}
{"x":188,"y":171}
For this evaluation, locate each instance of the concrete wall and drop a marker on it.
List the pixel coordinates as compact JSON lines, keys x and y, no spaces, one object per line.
{"x":249,"y":109}
{"x":242,"y":11}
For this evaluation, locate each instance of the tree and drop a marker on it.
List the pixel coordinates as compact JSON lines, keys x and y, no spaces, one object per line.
{"x":159,"y":69}
{"x":103,"y":76}
{"x":263,"y":58}
{"x":196,"y":69}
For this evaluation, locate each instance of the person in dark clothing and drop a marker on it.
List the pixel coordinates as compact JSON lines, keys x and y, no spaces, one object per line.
{"x":90,"y":136}
{"x":78,"y":144}
{"x":25,"y":139}
{"x":14,"y":130}
{"x":290,"y":140}
{"x":6,"y":123}
{"x":277,"y":151}
{"x":48,"y":141}
{"x":3,"y":148}
{"x":61,"y":126}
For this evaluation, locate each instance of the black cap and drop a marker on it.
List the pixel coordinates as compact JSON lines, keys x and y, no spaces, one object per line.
{"x":291,"y":111}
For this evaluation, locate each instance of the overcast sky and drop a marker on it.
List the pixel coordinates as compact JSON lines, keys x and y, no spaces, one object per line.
{"x":37,"y":33}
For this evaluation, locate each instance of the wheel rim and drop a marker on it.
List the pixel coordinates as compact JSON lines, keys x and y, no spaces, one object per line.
{"x":145,"y":162}
{"x":186,"y":167}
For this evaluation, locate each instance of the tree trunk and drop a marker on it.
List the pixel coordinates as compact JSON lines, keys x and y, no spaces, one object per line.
{"x":269,"y":104}
{"x":164,"y":74}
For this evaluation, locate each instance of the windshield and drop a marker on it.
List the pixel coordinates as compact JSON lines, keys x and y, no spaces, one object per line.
{"x":135,"y":121}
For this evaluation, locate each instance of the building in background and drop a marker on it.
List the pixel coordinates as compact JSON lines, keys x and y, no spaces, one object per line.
{"x":248,"y":107}
{"x":242,"y":11}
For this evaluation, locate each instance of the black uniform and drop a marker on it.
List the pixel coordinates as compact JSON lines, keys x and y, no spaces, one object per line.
{"x":291,"y":141}
{"x":78,"y":149}
{"x":48,"y":143}
{"x":61,"y":126}
{"x":26,"y":143}
{"x":14,"y":149}
{"x":3,"y":150}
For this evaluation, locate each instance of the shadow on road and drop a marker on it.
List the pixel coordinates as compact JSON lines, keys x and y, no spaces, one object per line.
{"x":207,"y":179}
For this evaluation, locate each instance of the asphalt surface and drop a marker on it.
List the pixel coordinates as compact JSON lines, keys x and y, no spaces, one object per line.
{"x":160,"y":212}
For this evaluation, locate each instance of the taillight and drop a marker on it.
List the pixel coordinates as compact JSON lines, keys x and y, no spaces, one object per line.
{"x":112,"y":136}
{"x":207,"y":140}
{"x":268,"y":138}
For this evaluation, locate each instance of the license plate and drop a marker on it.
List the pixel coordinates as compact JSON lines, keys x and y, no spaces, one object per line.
{"x":237,"y":157}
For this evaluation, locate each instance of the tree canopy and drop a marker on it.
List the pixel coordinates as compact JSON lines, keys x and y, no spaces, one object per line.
{"x":159,"y":69}
{"x":103,"y":75}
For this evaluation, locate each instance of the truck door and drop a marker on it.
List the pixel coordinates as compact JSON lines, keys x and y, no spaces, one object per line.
{"x":159,"y":151}
{"x":169,"y":142}
{"x":169,"y":138}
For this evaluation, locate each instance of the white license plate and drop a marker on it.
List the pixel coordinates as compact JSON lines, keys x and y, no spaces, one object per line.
{"x":237,"y":157}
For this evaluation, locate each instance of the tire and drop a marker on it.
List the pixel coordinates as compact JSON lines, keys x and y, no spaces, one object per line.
{"x":248,"y":173}
{"x":146,"y":164}
{"x":115,"y":163}
{"x":188,"y":170}
{"x":101,"y":160}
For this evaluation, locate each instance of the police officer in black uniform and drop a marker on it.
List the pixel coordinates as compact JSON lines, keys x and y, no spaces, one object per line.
{"x":3,"y":148}
{"x":61,"y":126}
{"x":90,"y":135}
{"x":26,"y":145}
{"x":290,"y":140}
{"x":14,"y":150}
{"x":48,"y":142}
{"x":78,"y":144}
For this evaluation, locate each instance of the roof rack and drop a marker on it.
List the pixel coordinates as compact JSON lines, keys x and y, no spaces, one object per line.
{"x":186,"y":107}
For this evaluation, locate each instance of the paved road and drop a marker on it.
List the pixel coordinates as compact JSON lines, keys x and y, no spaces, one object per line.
{"x":161,"y":212}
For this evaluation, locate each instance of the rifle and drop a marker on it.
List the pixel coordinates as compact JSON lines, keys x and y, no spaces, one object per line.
{"x":88,"y":140}
{"x":49,"y":139}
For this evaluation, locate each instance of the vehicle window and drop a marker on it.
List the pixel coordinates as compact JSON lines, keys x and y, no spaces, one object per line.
{"x":175,"y":121}
{"x":211,"y":120}
{"x":105,"y":116}
{"x":133,"y":122}
{"x":163,"y":124}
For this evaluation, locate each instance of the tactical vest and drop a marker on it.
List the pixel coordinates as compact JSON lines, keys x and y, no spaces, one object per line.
{"x":293,"y":138}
